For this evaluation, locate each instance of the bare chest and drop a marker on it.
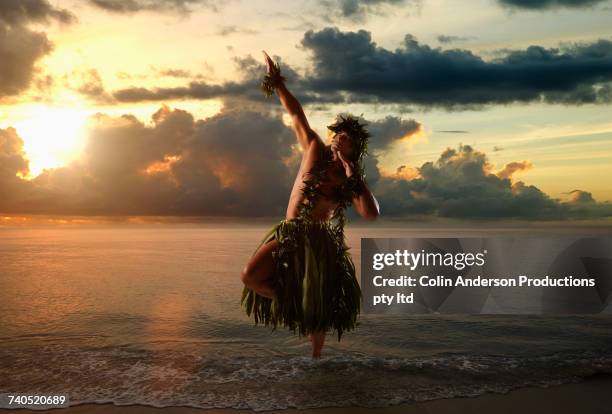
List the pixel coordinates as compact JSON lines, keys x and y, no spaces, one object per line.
{"x":327,"y":182}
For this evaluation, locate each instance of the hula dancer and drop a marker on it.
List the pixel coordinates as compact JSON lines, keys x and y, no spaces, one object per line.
{"x":302,"y":276}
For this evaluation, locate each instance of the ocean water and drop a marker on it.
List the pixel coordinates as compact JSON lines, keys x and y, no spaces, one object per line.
{"x":150,"y":315}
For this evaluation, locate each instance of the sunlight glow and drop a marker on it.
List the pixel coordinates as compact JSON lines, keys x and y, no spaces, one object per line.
{"x":52,"y":136}
{"x":162,"y":166}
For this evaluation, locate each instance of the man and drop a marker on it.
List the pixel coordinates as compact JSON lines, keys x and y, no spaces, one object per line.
{"x":302,"y":276}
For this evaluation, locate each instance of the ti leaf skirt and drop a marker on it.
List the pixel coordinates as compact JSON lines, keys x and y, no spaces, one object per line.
{"x":314,"y":280}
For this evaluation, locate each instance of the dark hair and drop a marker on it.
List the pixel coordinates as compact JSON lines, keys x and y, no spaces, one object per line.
{"x":357,"y":132}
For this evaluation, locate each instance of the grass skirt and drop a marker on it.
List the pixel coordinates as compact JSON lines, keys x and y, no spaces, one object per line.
{"x":314,"y":280}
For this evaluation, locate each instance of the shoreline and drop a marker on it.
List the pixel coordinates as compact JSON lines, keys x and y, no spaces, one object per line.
{"x":592,"y":396}
{"x":11,"y":221}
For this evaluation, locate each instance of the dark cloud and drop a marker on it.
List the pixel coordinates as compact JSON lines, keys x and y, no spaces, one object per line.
{"x":194,"y":90}
{"x":235,"y":163}
{"x":12,"y":158}
{"x":20,"y":50}
{"x":20,"y":47}
{"x":390,"y":129}
{"x":461,"y":184}
{"x":175,"y":73}
{"x":133,"y":6}
{"x":25,"y":11}
{"x":359,"y":10}
{"x":579,"y":196}
{"x":452,"y":39}
{"x":549,"y":4}
{"x":241,"y":163}
{"x":181,"y":73}
{"x":351,"y":63}
{"x":348,"y":67}
{"x":246,"y":89}
{"x":13,"y":161}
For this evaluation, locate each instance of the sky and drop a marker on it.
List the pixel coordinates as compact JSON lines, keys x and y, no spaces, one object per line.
{"x":494,"y":109}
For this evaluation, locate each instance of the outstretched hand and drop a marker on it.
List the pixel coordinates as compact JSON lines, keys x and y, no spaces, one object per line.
{"x":269,"y":62}
{"x":273,"y":80}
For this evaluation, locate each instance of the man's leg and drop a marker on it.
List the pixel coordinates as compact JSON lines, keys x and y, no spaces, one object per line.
{"x":317,"y":339}
{"x":257,"y":275}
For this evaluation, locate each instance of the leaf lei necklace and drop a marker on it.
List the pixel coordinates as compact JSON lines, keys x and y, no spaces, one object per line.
{"x":312,"y":191}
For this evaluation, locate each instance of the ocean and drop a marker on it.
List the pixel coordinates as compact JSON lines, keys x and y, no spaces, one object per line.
{"x":138,"y":314}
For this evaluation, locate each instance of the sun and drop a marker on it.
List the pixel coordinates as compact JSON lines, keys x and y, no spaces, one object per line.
{"x":53,"y":136}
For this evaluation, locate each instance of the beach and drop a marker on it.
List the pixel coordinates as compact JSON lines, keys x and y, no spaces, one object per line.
{"x":143,"y":319}
{"x":592,"y":396}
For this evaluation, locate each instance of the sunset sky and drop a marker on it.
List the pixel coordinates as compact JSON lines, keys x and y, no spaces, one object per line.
{"x":486,"y":108}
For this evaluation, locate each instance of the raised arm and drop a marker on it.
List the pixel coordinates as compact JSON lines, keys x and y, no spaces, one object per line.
{"x":304,"y":133}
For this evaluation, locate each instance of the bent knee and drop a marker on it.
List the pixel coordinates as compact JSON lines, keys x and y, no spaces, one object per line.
{"x":246,"y":276}
{"x":249,"y":275}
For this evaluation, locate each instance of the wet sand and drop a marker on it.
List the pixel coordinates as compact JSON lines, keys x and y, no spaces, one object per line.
{"x":589,"y":397}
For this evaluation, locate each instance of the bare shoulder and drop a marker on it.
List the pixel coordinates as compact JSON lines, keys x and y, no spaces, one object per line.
{"x":311,"y":155}
{"x":315,"y":147}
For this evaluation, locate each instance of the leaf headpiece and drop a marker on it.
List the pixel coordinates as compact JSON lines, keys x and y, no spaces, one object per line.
{"x":358,"y":133}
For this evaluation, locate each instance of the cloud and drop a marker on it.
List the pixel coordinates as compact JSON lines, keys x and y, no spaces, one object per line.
{"x":230,"y":30}
{"x":513,"y":167}
{"x":232,"y":164}
{"x":157,"y":72}
{"x":348,"y":67}
{"x":193,"y":90}
{"x":25,"y":11}
{"x":175,"y":73}
{"x":352,"y":64}
{"x":13,"y":162}
{"x":359,"y":10}
{"x":461,"y":184}
{"x":549,"y":4}
{"x":391,"y":129}
{"x":242,"y":162}
{"x":20,"y":47}
{"x":405,"y":172}
{"x":20,"y":50}
{"x":12,"y":158}
{"x":248,"y":88}
{"x":579,"y":196}
{"x":245,"y":89}
{"x":452,"y":39}
{"x":88,"y":83}
{"x":133,"y":6}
